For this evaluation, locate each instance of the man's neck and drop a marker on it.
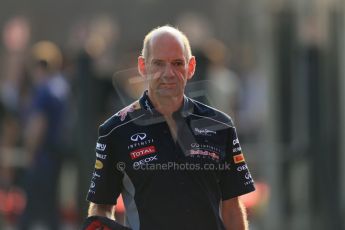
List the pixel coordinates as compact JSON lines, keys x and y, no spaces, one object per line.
{"x":166,"y":105}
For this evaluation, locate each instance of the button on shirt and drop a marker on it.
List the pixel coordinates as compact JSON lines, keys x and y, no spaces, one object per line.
{"x":167,"y":183}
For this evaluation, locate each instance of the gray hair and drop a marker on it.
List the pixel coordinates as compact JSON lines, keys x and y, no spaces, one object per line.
{"x":167,"y":29}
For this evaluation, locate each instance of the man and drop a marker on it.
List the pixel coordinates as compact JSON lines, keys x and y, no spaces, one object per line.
{"x":177,"y":163}
{"x":44,"y":138}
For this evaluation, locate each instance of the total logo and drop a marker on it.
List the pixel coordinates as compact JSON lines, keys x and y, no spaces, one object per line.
{"x":144,"y":161}
{"x":138,"y":137}
{"x":142,"y":152}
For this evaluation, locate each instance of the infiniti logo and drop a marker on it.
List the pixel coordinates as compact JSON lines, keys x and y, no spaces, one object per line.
{"x":138,"y":136}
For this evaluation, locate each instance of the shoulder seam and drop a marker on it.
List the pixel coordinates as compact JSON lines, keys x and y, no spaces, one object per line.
{"x":120,"y":126}
{"x":212,"y":120}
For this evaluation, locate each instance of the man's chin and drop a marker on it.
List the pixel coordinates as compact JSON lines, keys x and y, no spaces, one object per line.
{"x":169,"y":92}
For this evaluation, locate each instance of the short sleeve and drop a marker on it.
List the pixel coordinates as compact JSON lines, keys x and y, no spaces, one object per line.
{"x":236,"y":179}
{"x":106,"y":181}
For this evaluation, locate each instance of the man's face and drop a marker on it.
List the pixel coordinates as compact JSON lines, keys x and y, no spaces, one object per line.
{"x":167,"y":68}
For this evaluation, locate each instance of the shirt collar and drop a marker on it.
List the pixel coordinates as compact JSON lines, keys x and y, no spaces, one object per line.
{"x":146,"y":103}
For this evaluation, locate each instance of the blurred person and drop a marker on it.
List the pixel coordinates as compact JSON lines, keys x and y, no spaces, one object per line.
{"x":93,"y":44}
{"x":16,"y":36}
{"x":14,"y":95}
{"x":9,"y":136}
{"x":223,"y":89}
{"x":138,"y":145}
{"x":252,"y":98}
{"x":198,"y":30}
{"x":43,"y":138}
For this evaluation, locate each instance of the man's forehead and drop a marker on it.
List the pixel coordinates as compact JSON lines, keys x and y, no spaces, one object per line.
{"x":166,"y":46}
{"x":165,"y":38}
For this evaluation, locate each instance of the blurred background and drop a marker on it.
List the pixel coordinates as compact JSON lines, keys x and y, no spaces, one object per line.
{"x":276,"y":66}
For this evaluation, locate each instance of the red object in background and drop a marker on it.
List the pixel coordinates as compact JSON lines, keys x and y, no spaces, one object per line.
{"x":12,"y":203}
{"x":97,"y":225}
{"x":120,"y":207}
{"x":258,"y":197}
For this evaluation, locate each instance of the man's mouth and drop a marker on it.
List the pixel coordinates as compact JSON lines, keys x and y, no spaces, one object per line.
{"x":168,"y":85}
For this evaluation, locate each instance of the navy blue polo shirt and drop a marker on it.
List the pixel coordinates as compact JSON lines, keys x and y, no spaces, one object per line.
{"x":167,"y":183}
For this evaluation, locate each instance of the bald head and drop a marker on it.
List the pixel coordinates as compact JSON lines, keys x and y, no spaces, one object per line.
{"x":166,"y":32}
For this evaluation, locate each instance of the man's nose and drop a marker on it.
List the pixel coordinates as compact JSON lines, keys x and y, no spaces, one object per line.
{"x":169,"y":70}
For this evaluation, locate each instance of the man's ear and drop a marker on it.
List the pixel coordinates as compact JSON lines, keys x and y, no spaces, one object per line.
{"x":191,"y":67}
{"x":141,"y":66}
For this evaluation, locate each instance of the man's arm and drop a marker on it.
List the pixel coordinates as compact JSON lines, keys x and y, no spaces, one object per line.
{"x":234,"y":214}
{"x":101,"y":216}
{"x":101,"y":210}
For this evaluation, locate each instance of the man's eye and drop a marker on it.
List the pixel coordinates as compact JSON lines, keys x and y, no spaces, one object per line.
{"x":178,"y":63}
{"x":158,"y":63}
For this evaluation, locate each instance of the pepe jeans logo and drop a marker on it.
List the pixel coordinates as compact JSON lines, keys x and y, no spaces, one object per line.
{"x":205,"y":132}
{"x":138,"y":137}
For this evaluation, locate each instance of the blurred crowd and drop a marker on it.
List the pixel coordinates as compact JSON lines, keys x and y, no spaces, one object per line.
{"x":54,"y":96}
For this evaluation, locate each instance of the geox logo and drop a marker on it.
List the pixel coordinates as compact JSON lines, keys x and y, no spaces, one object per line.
{"x":146,"y":160}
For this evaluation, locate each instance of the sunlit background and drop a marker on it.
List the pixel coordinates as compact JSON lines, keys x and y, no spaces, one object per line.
{"x":277,"y":67}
